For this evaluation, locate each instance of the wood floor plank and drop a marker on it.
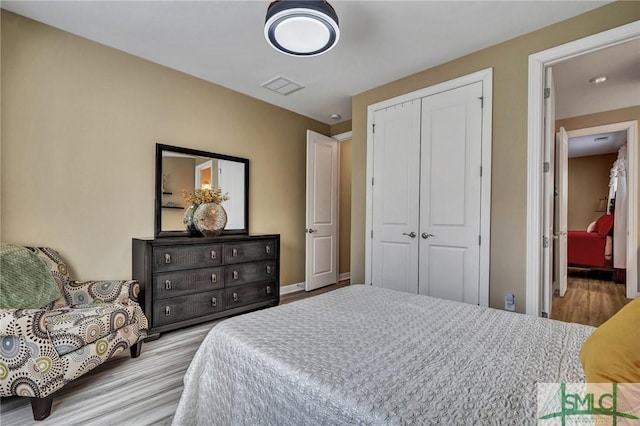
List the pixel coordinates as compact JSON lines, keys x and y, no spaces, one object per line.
{"x":589,"y":301}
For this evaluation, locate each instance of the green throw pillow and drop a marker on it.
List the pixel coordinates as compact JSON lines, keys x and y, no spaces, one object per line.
{"x":25,"y":281}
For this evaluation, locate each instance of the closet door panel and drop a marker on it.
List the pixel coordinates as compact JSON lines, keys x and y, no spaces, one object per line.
{"x":450,"y":185}
{"x":396,"y":192}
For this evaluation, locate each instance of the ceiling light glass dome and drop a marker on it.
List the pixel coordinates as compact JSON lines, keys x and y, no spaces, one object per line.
{"x":301,"y":28}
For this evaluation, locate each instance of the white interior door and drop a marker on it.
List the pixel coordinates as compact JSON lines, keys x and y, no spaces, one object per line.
{"x":322,"y":211}
{"x":231,"y":178}
{"x":561,"y":209}
{"x":450,"y":194}
{"x":548,"y":183}
{"x":395,"y":197}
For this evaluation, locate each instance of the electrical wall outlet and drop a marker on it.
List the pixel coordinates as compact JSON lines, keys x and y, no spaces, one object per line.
{"x":510,"y":302}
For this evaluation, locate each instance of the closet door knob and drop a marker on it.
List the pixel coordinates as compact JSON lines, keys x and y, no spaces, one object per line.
{"x":411,"y":234}
{"x":425,"y":235}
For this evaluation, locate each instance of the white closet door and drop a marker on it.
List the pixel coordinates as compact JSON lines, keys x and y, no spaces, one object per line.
{"x":450,"y":194}
{"x":395,"y":192}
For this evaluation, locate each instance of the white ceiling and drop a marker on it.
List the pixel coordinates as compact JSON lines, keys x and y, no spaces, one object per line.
{"x":576,"y":96}
{"x":223,"y":42}
{"x":597,"y":144}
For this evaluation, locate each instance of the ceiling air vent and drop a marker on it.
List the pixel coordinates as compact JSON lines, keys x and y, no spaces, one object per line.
{"x":601,"y":139}
{"x":282,"y":85}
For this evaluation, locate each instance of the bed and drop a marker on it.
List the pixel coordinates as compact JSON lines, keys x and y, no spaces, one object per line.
{"x":366,"y":355}
{"x":593,"y":247}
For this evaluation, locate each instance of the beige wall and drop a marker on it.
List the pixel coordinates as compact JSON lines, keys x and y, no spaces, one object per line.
{"x":344,"y":262}
{"x":509,"y":61}
{"x":601,"y":119}
{"x":339,"y":128}
{"x":179,"y":172}
{"x":588,"y":182}
{"x":79,"y":126}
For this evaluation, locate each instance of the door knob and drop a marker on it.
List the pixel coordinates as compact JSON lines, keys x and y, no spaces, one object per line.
{"x":425,"y":235}
{"x":411,"y":234}
{"x":311,"y":231}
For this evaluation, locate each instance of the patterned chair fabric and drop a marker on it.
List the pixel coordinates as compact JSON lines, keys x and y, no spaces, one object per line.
{"x":43,"y":349}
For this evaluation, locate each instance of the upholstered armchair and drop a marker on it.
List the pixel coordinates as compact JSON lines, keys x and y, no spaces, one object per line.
{"x":43,"y":348}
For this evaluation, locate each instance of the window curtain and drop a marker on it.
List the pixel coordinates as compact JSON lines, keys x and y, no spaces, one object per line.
{"x":618,"y":190}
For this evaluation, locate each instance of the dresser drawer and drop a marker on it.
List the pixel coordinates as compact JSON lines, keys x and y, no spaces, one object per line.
{"x":173,"y":258}
{"x":248,"y":294}
{"x":178,"y":283}
{"x":247,"y":273}
{"x":175,"y":309}
{"x":249,"y":251}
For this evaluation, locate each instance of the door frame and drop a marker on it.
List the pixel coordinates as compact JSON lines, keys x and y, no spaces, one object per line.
{"x":486,"y":77}
{"x":535,"y":144}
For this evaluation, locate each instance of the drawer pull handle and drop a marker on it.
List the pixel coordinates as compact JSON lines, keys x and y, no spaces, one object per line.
{"x":214,"y":278}
{"x":214,"y":302}
{"x":268,"y":269}
{"x":167,"y":285}
{"x":167,"y":311}
{"x":268,"y":289}
{"x":235,"y":297}
{"x":167,"y":258}
{"x":235,"y":275}
{"x":234,"y":252}
{"x":213,"y":255}
{"x":267,"y":249}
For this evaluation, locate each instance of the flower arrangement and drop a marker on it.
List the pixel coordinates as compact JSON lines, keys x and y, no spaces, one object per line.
{"x":204,"y":195}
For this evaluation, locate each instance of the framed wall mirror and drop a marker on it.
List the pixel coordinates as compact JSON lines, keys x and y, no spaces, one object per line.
{"x":179,"y":169}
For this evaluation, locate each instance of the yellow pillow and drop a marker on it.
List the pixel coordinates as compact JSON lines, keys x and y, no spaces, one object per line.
{"x":612,"y":353}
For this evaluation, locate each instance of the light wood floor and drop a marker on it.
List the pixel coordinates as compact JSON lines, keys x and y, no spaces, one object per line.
{"x":589,"y":301}
{"x":125,"y":391}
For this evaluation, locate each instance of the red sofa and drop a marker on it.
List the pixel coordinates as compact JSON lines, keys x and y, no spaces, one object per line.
{"x":588,"y":248}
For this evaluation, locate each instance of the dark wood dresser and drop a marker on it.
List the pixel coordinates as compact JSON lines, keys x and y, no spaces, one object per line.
{"x":189,"y":280}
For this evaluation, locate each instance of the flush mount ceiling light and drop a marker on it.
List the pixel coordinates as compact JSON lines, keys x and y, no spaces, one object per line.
{"x":598,"y":79}
{"x":301,"y":28}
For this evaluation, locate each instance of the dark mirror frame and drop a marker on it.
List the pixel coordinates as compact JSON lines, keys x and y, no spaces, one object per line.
{"x":158,"y":198}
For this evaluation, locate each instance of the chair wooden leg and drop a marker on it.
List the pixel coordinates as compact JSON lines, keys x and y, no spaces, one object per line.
{"x":136,"y":349}
{"x":41,"y":407}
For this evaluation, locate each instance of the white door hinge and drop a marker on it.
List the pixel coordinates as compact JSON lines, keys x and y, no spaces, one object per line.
{"x":545,"y":242}
{"x":547,"y":92}
{"x":546,"y":167}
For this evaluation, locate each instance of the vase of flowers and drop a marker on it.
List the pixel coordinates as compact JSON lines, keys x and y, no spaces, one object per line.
{"x":205,"y":215}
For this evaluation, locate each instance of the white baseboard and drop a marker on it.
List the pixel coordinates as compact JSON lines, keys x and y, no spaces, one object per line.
{"x":292,"y":288}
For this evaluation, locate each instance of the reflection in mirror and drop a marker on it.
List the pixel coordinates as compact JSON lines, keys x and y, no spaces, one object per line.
{"x":181,"y":169}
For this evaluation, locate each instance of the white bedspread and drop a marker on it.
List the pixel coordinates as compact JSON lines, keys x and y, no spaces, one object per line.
{"x":365,"y":355}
